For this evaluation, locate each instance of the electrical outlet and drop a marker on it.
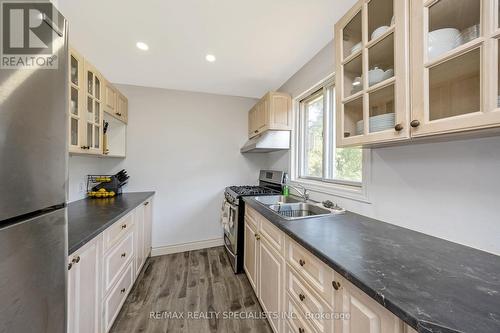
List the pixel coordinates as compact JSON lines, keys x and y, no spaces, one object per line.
{"x":81,"y":187}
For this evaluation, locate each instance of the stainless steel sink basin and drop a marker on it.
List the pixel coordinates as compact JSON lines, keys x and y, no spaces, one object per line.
{"x":300,"y":210}
{"x":276,"y":200}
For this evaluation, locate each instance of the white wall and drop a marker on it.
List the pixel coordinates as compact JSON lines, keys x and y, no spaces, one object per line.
{"x":185,"y":146}
{"x":450,"y":190}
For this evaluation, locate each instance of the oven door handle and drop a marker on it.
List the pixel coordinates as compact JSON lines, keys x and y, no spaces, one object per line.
{"x":228,"y":245}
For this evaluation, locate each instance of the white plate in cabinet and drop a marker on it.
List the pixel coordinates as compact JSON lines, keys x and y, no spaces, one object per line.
{"x":274,"y":236}
{"x":316,"y":273}
{"x":114,"y":233}
{"x":366,"y":315}
{"x":320,"y":314}
{"x":117,"y":296}
{"x":116,"y":259}
{"x":296,"y":322}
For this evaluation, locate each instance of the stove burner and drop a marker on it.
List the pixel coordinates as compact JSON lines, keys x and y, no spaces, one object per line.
{"x":251,"y":190}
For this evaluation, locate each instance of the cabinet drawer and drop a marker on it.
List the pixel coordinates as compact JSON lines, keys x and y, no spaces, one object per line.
{"x":115,"y":299}
{"x":113,"y":234}
{"x":314,"y":272}
{"x":252,"y":215}
{"x":274,"y":235}
{"x":296,"y":322}
{"x":319,"y":314}
{"x":117,"y":259}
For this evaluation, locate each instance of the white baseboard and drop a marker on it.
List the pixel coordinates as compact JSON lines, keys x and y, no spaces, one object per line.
{"x":192,"y":246}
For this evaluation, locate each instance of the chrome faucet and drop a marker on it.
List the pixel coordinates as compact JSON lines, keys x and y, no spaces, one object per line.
{"x":304,"y":193}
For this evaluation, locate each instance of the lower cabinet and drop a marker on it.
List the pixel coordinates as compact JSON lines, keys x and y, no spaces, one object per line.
{"x":84,"y":288}
{"x":102,"y":272}
{"x":291,"y":281}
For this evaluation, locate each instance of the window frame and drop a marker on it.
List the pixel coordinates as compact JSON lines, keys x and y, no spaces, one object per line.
{"x":343,"y":188}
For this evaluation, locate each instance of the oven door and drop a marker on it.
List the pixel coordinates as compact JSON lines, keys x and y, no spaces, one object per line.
{"x":231,"y":234}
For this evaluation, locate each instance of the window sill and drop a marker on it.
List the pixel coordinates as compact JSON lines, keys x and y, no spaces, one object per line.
{"x":344,"y":191}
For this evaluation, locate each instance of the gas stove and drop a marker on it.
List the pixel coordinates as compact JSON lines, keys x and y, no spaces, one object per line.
{"x":270,"y":183}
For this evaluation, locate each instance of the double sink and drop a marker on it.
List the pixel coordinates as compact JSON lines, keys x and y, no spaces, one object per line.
{"x":291,"y":208}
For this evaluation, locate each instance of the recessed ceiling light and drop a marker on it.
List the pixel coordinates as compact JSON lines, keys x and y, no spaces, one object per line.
{"x":142,"y":46}
{"x":210,"y":57}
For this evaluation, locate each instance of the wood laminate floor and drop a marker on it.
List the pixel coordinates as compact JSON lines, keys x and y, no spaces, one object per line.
{"x":180,"y":286}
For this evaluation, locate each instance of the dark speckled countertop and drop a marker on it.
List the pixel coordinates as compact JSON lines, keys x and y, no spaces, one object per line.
{"x":432,"y":284}
{"x":87,"y":218}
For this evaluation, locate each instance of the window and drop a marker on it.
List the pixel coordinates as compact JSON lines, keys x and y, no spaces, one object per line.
{"x":317,"y":155}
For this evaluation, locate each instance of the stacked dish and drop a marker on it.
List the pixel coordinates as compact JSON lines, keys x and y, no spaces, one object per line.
{"x":377,"y":123}
{"x":442,"y":41}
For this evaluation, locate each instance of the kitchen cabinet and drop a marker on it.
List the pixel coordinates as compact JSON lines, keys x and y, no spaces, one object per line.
{"x":365,"y":315}
{"x":76,"y":97}
{"x":94,"y":111}
{"x":84,"y":288}
{"x":288,"y":278}
{"x":102,"y":273}
{"x":251,"y":250}
{"x":372,"y":83}
{"x":272,"y":112}
{"x":454,"y":66}
{"x":270,"y":281}
{"x":93,"y":100}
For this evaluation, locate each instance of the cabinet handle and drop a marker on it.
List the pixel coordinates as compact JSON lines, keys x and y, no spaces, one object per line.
{"x":336,"y":285}
{"x":302,"y":297}
{"x":146,"y":203}
{"x":76,"y":260}
{"x":124,"y":226}
{"x":415,"y":123}
{"x":69,"y":266}
{"x":301,"y":330}
{"x":256,"y":131}
{"x":118,"y":114}
{"x":302,"y":262}
{"x":124,"y":255}
{"x":122,"y":291}
{"x":399,"y":127}
{"x":257,"y":236}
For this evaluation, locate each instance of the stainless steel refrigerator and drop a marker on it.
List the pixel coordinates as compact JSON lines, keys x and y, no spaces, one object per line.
{"x":33,"y":181}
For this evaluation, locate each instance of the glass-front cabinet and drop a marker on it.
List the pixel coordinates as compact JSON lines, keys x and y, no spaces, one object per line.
{"x":372,"y":65}
{"x":76,"y":95}
{"x":454,"y":66}
{"x":93,"y":110}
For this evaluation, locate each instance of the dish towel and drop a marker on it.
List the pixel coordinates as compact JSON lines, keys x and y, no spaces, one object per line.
{"x":224,"y":219}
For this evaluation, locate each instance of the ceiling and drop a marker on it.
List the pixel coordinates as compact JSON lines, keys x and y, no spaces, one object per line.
{"x":259,"y":44}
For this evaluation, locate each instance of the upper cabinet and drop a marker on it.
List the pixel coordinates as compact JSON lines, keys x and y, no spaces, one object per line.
{"x":372,"y":62}
{"x":454,"y":66}
{"x":91,"y":99}
{"x":454,"y":74}
{"x":272,"y":112}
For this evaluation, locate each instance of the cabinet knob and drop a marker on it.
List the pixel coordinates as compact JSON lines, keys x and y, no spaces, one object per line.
{"x":124,"y":255}
{"x":336,"y":285}
{"x":301,"y":330}
{"x":118,"y":114}
{"x":146,"y":203}
{"x":122,"y":291}
{"x":76,"y":260}
{"x":257,"y":236}
{"x":399,"y":127}
{"x":415,"y":123}
{"x":302,"y":262}
{"x":124,"y":226}
{"x":69,"y":266}
{"x":302,"y":297}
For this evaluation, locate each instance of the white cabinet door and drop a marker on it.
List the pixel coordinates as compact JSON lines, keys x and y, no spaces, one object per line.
{"x":365,"y":315}
{"x":84,"y":279}
{"x":139,"y":238}
{"x":251,"y":250}
{"x":148,"y":227}
{"x":271,"y":273}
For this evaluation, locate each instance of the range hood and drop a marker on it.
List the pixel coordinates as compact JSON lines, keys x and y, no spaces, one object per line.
{"x":267,"y":142}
